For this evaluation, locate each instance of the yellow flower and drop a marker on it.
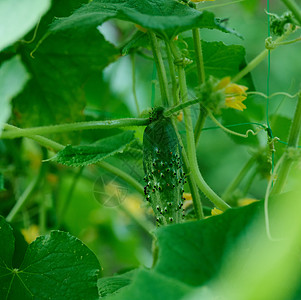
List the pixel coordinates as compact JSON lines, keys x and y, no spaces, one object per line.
{"x":180,"y":117}
{"x":246,"y":201}
{"x":215,"y":211}
{"x":235,"y":93}
{"x":31,"y":233}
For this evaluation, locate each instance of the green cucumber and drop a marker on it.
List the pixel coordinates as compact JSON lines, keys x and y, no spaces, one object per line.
{"x":164,"y":175}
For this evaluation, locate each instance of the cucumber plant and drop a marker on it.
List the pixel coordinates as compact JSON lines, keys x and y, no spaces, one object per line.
{"x":51,"y":89}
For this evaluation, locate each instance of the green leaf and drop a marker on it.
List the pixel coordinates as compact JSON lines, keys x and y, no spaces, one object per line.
{"x":111,"y":285}
{"x":220,"y":60}
{"x":60,"y":67}
{"x":55,"y":266}
{"x":18,"y":17}
{"x":192,"y":252}
{"x":140,"y":39}
{"x":280,"y":126}
{"x":91,"y":154}
{"x":166,"y":17}
{"x":150,"y":285}
{"x":13,"y":77}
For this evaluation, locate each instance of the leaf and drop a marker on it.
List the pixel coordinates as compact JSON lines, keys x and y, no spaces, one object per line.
{"x":91,"y":154}
{"x":60,"y":67}
{"x":258,"y":267}
{"x":55,"y":266}
{"x":111,"y":285}
{"x":140,"y":39}
{"x":18,"y":17}
{"x":150,"y":285}
{"x":13,"y":77}
{"x":280,"y":126}
{"x":220,"y":60}
{"x":193,"y":252}
{"x":166,"y":17}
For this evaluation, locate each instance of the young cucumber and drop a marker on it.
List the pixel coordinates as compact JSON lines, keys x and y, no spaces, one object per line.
{"x":163,"y":168}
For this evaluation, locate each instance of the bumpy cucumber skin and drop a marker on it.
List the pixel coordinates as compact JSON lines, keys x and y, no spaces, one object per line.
{"x":164,"y":176}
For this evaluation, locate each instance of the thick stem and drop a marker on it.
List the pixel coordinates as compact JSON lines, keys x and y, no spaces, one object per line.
{"x":293,"y":7}
{"x":198,"y":55}
{"x":45,"y":142}
{"x":28,"y":132}
{"x":160,"y":67}
{"x":293,"y":140}
{"x":191,"y":151}
{"x":201,"y":77}
{"x":198,"y":208}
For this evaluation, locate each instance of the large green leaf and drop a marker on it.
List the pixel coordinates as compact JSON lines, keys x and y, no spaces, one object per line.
{"x":220,"y":60}
{"x":165,"y":17}
{"x":111,"y":285}
{"x":193,"y":252}
{"x":55,"y":266}
{"x":59,"y":69}
{"x":150,"y":285}
{"x":13,"y":77}
{"x":18,"y":17}
{"x":189,"y":255}
{"x":91,"y":154}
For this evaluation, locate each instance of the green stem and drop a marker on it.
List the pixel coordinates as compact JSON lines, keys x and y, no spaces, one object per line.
{"x":123,"y":175}
{"x":160,"y":67}
{"x":174,"y":84}
{"x":170,"y":111}
{"x":293,"y":7}
{"x":200,"y":124}
{"x":134,"y":83}
{"x":28,"y":132}
{"x":191,"y":181}
{"x":45,"y":142}
{"x":26,"y":194}
{"x":201,"y":77}
{"x":198,"y":55}
{"x":238,"y":179}
{"x":293,"y":141}
{"x":191,"y":152}
{"x":258,"y":59}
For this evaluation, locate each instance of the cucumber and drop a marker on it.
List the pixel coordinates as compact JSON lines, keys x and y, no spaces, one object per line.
{"x":164,"y":175}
